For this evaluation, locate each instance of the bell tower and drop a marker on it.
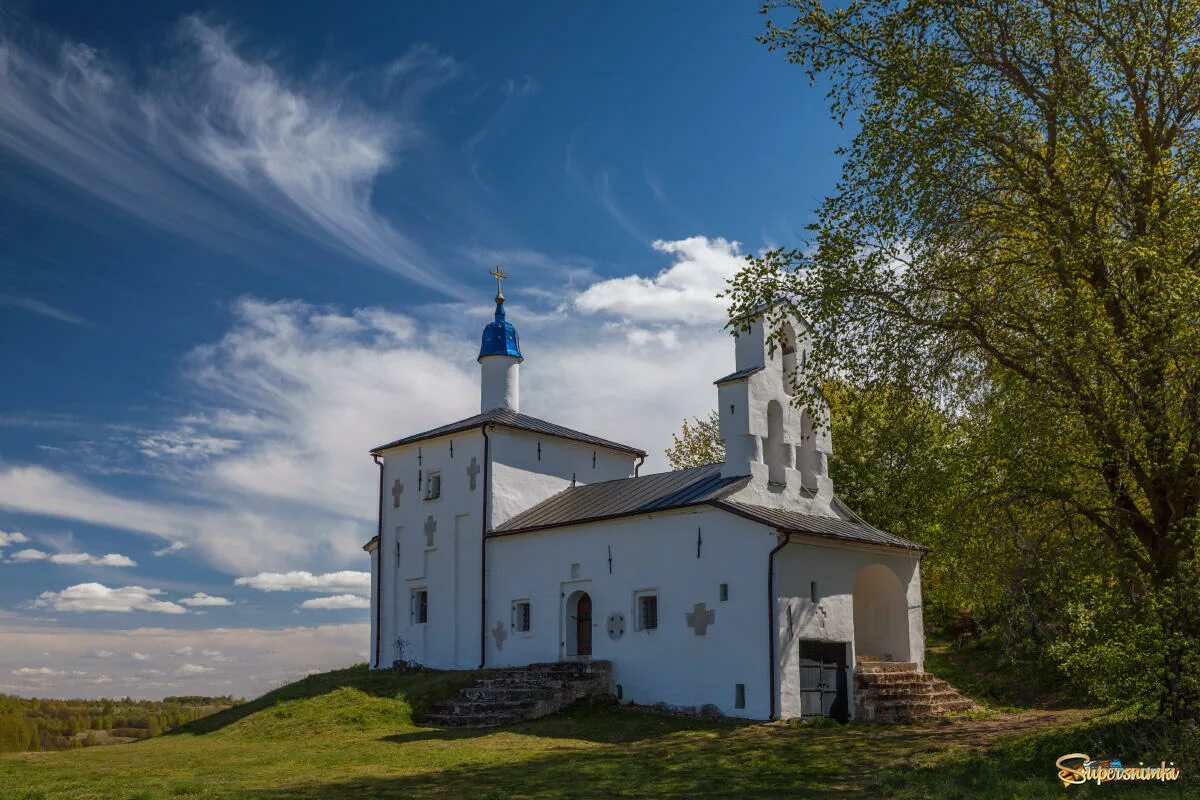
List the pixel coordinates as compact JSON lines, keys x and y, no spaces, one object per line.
{"x":767,"y":438}
{"x":499,"y":358}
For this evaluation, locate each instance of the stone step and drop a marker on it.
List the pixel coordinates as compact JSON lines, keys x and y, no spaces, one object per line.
{"x":482,"y":693}
{"x":471,"y":708}
{"x":894,"y":678}
{"x":511,"y":694}
{"x":875,"y":697}
{"x":871,"y":667}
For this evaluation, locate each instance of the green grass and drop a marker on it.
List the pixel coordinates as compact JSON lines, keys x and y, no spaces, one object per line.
{"x":352,"y":734}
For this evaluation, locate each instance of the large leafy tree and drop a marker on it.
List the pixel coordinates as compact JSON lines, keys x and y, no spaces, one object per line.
{"x":1017,"y":218}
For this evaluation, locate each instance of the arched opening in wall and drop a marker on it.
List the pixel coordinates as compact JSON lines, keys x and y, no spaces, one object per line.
{"x":577,"y":637}
{"x":806,"y":452}
{"x":880,"y":614}
{"x":776,"y":449}
{"x":788,"y":346}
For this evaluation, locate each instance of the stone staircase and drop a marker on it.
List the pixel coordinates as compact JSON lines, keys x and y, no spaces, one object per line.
{"x":894,"y":691}
{"x":512,"y":694}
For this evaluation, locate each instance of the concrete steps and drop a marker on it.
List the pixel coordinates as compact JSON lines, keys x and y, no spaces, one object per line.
{"x":513,"y":694}
{"x":894,"y":691}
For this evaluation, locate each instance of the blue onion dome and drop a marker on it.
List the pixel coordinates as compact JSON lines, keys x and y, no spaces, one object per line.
{"x":500,"y":337}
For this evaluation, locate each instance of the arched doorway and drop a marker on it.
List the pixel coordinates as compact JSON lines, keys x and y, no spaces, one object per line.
{"x":579,"y":624}
{"x":880,"y":614}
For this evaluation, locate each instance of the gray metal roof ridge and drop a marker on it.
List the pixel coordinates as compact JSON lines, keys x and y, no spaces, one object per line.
{"x":515,"y":420}
{"x":741,"y":373}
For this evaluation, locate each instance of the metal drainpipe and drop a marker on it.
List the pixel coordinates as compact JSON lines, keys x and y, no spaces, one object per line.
{"x":378,"y":566}
{"x":638,"y":466}
{"x":771,"y":614}
{"x":483,"y":536}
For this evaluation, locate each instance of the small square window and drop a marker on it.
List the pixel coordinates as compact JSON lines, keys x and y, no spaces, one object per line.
{"x":724,"y":592}
{"x":520,"y":616}
{"x":647,"y":611}
{"x":420,"y":606}
{"x":433,"y":486}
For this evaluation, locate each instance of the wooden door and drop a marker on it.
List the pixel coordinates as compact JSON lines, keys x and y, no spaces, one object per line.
{"x":823,"y":686}
{"x":583,"y":626}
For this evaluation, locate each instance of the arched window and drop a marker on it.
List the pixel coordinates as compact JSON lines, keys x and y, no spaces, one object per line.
{"x":788,"y":346}
{"x":776,"y":449}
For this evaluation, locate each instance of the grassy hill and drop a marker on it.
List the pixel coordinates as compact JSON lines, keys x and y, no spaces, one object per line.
{"x":353,"y":734}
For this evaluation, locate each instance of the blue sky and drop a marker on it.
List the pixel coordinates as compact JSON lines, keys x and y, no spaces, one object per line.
{"x":239,"y":247}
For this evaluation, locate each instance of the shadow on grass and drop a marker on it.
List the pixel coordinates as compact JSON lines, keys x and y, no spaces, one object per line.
{"x":579,"y":723}
{"x":641,"y":755}
{"x":977,"y":671}
{"x":419,"y":690}
{"x":1024,"y":766}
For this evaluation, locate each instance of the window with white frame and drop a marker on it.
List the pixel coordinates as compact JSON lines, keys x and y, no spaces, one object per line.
{"x":521,"y":620}
{"x":433,"y":486}
{"x":420,"y":606}
{"x":646,"y":608}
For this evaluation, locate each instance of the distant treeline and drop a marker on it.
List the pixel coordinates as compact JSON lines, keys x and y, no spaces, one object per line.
{"x":36,"y":724}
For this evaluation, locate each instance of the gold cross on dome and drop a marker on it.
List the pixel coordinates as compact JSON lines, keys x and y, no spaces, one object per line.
{"x":499,"y":275}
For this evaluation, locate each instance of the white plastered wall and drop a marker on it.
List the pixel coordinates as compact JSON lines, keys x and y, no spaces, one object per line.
{"x":836,"y":569}
{"x":449,"y":569}
{"x":673,"y":664}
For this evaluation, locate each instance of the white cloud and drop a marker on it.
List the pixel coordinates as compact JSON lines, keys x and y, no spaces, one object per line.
{"x":98,"y":597}
{"x":186,"y":650}
{"x":194,"y":669}
{"x":202,"y":599}
{"x":173,"y":547}
{"x":74,"y":559}
{"x":302,"y":581}
{"x":337,"y":601}
{"x":136,"y":656}
{"x":12,"y":538}
{"x":258,"y":659}
{"x":212,"y":132}
{"x":685,"y":292}
{"x":104,"y":654}
{"x":38,"y":671}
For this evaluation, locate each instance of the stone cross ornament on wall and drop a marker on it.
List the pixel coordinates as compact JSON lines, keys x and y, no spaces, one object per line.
{"x":472,"y":471}
{"x":430,"y":529}
{"x":699,"y":618}
{"x":397,"y":490}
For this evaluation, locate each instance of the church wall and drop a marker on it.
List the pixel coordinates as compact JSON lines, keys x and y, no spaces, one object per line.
{"x":835,"y":568}
{"x":672,"y":664}
{"x":522,"y":476}
{"x":445,"y":563}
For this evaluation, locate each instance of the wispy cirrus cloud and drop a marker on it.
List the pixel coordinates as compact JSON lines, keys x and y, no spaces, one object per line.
{"x":44,"y":309}
{"x":212,"y":130}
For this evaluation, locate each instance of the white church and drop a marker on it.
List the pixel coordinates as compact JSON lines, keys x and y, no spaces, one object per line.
{"x":507,"y":540}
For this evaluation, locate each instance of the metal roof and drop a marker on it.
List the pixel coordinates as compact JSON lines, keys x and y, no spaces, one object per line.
{"x":511,"y":419}
{"x":853,"y":529}
{"x":624,"y":497}
{"x":683,"y":488}
{"x":741,"y":373}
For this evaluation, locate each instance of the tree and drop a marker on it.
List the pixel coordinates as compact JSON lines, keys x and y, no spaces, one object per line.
{"x":1015,"y":219}
{"x":697,"y":443}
